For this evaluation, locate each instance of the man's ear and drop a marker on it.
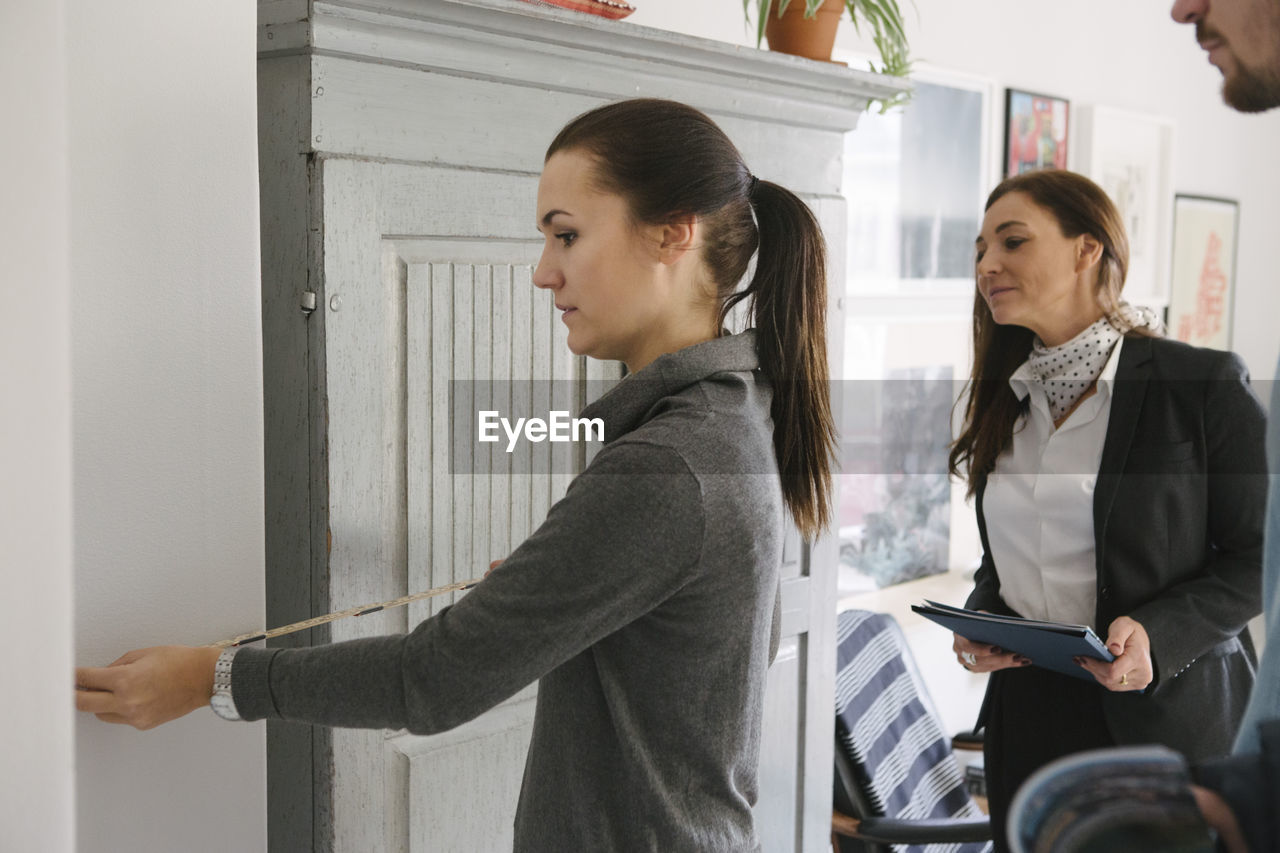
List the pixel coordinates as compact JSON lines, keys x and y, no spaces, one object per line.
{"x":677,"y":237}
{"x":1088,"y":252}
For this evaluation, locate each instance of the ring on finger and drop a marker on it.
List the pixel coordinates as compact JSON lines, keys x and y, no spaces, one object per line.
{"x":1124,"y":679}
{"x":969,"y":658}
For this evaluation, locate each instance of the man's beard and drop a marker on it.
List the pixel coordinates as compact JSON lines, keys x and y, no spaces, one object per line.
{"x":1249,"y":90}
{"x":1252,"y":91}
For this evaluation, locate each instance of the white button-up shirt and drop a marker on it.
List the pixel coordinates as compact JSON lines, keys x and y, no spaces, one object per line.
{"x":1038,"y":504}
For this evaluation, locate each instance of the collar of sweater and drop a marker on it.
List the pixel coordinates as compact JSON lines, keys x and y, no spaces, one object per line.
{"x":629,"y":403}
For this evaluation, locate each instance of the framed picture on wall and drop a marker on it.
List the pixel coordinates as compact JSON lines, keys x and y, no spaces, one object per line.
{"x":1130,"y":155}
{"x":1035,"y":132}
{"x":1204,"y":270}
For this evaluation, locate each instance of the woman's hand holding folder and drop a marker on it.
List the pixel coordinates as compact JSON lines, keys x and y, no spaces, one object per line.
{"x":1132,"y":669}
{"x":980,"y":657}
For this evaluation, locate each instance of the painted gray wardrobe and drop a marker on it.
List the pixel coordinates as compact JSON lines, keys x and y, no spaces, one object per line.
{"x":400,"y":146}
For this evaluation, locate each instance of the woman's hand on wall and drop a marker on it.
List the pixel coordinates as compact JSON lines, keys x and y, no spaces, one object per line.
{"x":147,"y":687}
{"x":979,"y":657}
{"x":1132,"y":669}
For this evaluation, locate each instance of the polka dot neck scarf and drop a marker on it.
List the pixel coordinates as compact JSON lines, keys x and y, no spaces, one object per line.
{"x":1068,"y":370}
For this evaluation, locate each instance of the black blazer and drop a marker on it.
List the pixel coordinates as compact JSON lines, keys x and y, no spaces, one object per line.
{"x":1178,"y":513}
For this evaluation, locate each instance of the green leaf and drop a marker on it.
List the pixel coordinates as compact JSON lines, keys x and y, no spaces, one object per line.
{"x":762,"y":13}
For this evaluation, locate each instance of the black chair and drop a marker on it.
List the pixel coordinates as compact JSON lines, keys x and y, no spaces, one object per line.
{"x":897,"y":784}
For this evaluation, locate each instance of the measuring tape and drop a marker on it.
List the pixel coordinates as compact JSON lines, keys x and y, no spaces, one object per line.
{"x":245,"y":639}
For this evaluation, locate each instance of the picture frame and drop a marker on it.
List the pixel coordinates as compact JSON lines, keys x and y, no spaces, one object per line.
{"x":1130,"y":155}
{"x":1036,"y":131}
{"x":1202,"y":296}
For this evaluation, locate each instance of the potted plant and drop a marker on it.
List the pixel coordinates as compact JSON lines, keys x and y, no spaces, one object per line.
{"x":808,"y":28}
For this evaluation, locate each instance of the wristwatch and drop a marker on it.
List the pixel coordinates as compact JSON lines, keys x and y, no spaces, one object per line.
{"x":221,"y":702}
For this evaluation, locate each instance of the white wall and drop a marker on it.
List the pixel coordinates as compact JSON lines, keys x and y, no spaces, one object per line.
{"x":36,"y":774}
{"x":1130,"y":56}
{"x":166,"y":401}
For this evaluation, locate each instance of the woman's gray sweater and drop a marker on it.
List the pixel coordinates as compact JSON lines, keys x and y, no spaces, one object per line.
{"x":645,"y":603}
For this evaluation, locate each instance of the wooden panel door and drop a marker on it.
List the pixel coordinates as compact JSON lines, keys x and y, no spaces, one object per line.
{"x":794,"y":811}
{"x":424,"y":328}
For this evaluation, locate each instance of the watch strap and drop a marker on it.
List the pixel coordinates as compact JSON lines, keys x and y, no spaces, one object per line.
{"x":222,"y":702}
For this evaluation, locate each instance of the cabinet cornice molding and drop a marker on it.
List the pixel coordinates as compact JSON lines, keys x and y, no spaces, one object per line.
{"x":558,"y":50}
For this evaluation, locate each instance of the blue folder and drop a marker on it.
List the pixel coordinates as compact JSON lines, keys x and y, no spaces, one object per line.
{"x":1052,"y":645}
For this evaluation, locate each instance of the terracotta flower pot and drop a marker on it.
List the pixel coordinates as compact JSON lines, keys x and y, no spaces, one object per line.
{"x":797,"y":35}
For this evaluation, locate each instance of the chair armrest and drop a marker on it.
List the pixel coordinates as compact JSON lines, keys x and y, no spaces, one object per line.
{"x":888,"y":830}
{"x":842,"y":824}
{"x":968,"y":740}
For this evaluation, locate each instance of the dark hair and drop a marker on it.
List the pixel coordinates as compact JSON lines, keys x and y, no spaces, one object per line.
{"x":1080,"y":207}
{"x":669,"y":160}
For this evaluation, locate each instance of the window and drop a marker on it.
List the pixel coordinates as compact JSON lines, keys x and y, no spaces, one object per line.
{"x":915,"y":181}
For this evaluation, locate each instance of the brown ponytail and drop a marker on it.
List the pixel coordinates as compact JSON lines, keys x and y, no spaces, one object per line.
{"x":669,"y":160}
{"x":788,"y":301}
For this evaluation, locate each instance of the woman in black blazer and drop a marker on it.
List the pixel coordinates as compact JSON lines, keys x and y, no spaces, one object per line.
{"x":1120,"y":483}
